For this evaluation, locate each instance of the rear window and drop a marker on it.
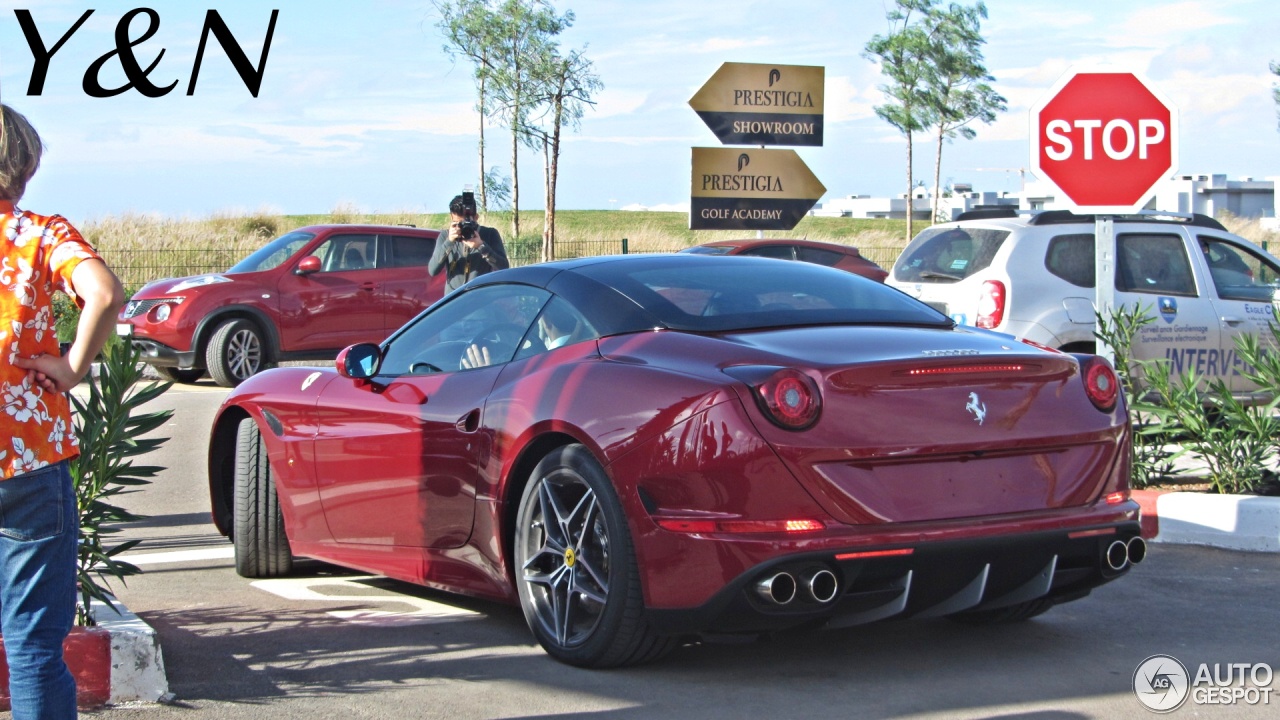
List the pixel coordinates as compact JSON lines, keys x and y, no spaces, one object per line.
{"x":817,"y":256}
{"x":742,"y":293}
{"x":1155,"y":264}
{"x":708,"y":250}
{"x":1071,"y":257}
{"x":948,"y":254}
{"x":409,"y":251}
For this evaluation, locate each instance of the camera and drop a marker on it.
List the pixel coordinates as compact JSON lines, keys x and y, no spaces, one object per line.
{"x":467,"y":229}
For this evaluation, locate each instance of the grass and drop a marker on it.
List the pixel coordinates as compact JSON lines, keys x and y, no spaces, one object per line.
{"x":142,"y":248}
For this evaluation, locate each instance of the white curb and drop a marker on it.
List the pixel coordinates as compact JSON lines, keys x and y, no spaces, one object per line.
{"x":1234,"y":522}
{"x":137,"y":667}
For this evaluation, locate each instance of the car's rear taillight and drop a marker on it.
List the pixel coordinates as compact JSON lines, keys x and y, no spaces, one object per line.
{"x":788,"y":397}
{"x":991,"y":304}
{"x":1101,"y":383}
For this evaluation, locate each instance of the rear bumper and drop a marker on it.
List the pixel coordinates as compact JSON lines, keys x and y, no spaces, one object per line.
{"x":922,"y":574}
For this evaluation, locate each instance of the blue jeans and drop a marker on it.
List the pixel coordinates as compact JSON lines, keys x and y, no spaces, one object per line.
{"x":38,"y":535}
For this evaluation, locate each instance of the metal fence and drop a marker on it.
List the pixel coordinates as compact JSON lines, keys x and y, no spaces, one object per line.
{"x":139,"y":267}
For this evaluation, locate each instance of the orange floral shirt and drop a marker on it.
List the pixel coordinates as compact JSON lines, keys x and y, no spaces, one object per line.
{"x":38,"y":253}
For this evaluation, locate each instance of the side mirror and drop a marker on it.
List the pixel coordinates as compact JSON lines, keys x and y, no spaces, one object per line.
{"x":359,"y":362}
{"x":307,"y":265}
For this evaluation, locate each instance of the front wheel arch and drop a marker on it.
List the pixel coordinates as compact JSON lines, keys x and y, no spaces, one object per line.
{"x":211,"y":322}
{"x":222,"y":458}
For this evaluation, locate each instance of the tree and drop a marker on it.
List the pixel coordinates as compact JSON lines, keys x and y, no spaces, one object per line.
{"x":956,"y":90}
{"x":1275,"y":90}
{"x":523,"y":32}
{"x":467,"y":26}
{"x":904,"y":57}
{"x":568,"y":84}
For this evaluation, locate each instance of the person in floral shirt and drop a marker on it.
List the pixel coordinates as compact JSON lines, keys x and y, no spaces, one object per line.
{"x":40,"y":254}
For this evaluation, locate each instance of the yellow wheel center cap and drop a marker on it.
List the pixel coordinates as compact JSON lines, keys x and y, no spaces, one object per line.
{"x":569,"y":557}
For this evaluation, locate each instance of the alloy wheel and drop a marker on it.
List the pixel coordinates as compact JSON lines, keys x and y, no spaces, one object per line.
{"x":566,"y":542}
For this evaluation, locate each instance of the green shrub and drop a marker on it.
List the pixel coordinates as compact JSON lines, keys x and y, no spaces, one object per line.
{"x":1154,"y":429}
{"x":109,"y":428}
{"x":1174,"y":415}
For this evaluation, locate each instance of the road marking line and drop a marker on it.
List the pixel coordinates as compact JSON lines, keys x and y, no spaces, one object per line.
{"x":426,"y":611}
{"x":176,"y":556}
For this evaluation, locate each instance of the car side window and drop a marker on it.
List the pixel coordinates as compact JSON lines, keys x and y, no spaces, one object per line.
{"x":1155,"y":264}
{"x":1071,"y":257}
{"x":559,"y":324}
{"x":408,"y":251}
{"x":345,"y":253}
{"x":1238,"y":273}
{"x":817,"y":256}
{"x":491,"y":322}
{"x":779,"y":252}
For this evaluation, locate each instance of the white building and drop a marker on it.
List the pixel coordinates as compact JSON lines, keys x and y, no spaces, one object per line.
{"x":1205,"y":194}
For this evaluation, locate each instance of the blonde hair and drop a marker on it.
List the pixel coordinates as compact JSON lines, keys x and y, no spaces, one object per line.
{"x":20,"y":150}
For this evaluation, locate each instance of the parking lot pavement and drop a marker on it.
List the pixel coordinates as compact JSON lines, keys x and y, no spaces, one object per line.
{"x":327,"y":643}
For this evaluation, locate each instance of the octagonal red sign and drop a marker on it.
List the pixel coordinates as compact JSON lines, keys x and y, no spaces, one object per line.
{"x":1104,"y":139}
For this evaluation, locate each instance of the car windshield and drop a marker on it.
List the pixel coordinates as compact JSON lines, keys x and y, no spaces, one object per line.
{"x":948,"y":254}
{"x":273,"y":253}
{"x":708,"y":249}
{"x":720,"y":294}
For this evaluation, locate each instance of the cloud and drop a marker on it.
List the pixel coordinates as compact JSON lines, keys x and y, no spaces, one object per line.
{"x":720,"y":45}
{"x":618,"y":102}
{"x":845,"y":102}
{"x":1160,"y":25}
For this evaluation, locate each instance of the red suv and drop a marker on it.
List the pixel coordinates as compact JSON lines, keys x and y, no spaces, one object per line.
{"x":305,"y":295}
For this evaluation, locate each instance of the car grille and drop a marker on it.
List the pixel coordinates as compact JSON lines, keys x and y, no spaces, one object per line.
{"x":135,"y":308}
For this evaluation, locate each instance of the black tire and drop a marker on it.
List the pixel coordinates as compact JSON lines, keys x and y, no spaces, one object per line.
{"x":262,"y":547}
{"x":577,"y":576}
{"x":236,"y":352}
{"x":1005,"y":615}
{"x":173,"y":374}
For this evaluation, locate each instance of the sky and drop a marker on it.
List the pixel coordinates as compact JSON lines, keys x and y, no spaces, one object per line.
{"x":360,"y":107}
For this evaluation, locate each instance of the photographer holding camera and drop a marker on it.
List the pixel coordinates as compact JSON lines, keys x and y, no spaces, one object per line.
{"x":466,"y":249}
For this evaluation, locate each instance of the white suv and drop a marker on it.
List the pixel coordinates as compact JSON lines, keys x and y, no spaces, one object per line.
{"x":1032,"y":277}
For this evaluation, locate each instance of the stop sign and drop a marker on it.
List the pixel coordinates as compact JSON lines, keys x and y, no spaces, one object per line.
{"x":1104,"y":139}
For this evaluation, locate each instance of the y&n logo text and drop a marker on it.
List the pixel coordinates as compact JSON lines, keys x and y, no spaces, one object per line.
{"x":139,"y":78}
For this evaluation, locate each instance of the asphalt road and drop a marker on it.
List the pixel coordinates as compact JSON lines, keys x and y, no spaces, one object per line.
{"x":330,"y":644}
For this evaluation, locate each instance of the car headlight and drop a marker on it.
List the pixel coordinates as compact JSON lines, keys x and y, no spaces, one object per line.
{"x":160,"y":310}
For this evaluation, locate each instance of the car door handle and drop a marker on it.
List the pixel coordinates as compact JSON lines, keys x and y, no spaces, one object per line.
{"x":368,"y":286}
{"x":470,"y":422}
{"x":1232,"y":321}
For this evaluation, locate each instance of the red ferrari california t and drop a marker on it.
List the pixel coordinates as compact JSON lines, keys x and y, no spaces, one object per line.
{"x":640,"y":450}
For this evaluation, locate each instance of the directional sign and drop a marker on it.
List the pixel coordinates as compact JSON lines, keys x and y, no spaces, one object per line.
{"x":742,"y":189}
{"x":1104,"y":139}
{"x":755,"y":104}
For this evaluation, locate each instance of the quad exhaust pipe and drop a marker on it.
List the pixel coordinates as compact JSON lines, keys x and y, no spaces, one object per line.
{"x":1118,"y":555}
{"x":820,"y":586}
{"x":1121,"y":553}
{"x":1137,"y":549}
{"x":778,"y":589}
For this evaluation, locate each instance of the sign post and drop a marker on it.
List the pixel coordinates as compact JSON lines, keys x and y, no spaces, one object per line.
{"x":1103,"y":140}
{"x":756,"y":104}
